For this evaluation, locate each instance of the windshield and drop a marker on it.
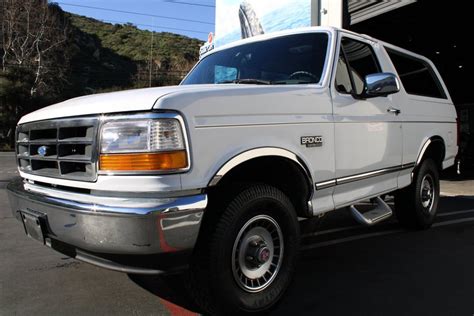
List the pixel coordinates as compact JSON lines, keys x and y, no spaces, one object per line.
{"x":293,"y":59}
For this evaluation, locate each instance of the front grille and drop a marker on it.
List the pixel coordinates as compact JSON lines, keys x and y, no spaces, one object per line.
{"x":62,"y":148}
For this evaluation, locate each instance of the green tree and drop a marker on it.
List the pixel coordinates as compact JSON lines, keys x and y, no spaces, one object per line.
{"x":48,"y":56}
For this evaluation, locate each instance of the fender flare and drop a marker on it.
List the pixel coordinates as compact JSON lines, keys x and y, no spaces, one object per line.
{"x":267,"y":152}
{"x":426,"y":145}
{"x":258,"y":153}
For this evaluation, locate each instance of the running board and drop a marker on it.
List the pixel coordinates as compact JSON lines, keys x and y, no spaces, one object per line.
{"x":381,"y":212}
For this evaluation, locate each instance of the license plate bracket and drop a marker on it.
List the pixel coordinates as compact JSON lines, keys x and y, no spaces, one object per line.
{"x":34,"y":224}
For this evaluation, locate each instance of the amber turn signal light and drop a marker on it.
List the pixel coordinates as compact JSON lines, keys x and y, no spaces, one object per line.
{"x":174,"y":160}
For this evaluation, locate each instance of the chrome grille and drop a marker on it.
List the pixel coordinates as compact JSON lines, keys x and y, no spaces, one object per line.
{"x":62,"y":148}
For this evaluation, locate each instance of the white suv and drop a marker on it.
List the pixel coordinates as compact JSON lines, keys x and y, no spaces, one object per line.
{"x":215,"y":172}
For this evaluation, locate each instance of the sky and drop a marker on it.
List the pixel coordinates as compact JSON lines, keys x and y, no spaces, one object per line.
{"x":185,"y":10}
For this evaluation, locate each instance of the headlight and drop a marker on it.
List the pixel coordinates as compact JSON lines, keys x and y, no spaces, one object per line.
{"x":143,"y":145}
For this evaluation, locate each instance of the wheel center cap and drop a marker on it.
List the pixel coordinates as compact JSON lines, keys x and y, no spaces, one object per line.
{"x":263,"y":255}
{"x":426,"y":195}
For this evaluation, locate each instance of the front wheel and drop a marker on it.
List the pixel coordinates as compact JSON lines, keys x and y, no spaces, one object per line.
{"x":249,"y":257}
{"x":416,"y":206}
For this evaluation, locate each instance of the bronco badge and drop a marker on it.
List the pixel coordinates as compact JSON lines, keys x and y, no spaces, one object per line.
{"x":312,"y":141}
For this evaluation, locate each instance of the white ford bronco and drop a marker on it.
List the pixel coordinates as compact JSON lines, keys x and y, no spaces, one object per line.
{"x":215,"y":173}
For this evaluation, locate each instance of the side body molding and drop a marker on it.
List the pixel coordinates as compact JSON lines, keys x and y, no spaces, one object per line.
{"x":257,"y":153}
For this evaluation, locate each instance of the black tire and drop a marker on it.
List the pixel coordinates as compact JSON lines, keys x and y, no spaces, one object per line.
{"x":213,"y":281}
{"x":413,"y":206}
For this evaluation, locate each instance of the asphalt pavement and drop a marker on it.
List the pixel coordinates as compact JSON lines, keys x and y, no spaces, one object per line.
{"x":344,"y":269}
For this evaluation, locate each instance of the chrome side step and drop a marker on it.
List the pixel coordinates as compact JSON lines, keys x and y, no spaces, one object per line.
{"x":381,"y":212}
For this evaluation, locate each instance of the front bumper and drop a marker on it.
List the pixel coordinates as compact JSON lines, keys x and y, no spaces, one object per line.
{"x":112,"y":225}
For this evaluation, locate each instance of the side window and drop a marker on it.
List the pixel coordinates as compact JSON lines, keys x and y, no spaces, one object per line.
{"x":360,"y":59}
{"x":343,"y":79}
{"x":417,"y":76}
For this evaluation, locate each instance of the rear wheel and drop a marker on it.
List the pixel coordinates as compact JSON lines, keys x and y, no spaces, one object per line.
{"x":247,"y":261}
{"x":416,"y":206}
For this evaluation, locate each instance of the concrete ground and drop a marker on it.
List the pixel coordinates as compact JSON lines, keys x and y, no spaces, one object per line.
{"x":344,"y":269}
{"x":453,"y":184}
{"x":457,"y":188}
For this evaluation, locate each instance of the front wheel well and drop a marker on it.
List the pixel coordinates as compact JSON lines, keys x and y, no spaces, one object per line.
{"x":279,"y":172}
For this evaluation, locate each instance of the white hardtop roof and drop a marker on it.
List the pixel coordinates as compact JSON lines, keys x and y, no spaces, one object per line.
{"x":388,"y":45}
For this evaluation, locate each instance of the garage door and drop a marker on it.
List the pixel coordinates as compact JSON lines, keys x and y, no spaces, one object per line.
{"x":361,"y":10}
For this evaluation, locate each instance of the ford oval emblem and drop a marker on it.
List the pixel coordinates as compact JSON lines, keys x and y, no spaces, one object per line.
{"x":43,"y":151}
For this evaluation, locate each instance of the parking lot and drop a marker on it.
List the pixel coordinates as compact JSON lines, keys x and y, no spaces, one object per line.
{"x":344,"y":269}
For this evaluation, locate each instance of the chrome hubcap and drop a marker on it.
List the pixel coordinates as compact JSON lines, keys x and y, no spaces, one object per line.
{"x":257,"y":253}
{"x":427,"y":192}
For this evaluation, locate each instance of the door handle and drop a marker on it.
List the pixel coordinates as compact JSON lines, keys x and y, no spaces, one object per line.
{"x":393,"y":110}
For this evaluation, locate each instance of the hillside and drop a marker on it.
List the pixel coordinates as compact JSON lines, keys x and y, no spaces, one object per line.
{"x":172,"y":54}
{"x":65,"y":55}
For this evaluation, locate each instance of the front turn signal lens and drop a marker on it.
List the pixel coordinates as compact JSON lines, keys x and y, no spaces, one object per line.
{"x":160,"y":161}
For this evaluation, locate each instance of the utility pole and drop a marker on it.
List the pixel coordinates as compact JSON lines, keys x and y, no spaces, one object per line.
{"x":2,"y":37}
{"x":151,"y":54}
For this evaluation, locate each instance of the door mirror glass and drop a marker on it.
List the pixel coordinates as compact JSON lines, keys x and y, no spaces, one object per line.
{"x":381,"y":85}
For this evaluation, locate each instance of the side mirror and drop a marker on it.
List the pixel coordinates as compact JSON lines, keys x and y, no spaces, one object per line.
{"x":381,"y":85}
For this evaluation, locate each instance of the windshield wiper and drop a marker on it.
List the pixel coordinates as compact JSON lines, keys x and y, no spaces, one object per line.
{"x":248,"y":81}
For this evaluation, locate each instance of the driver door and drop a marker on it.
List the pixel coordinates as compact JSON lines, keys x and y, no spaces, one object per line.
{"x":368,"y":138}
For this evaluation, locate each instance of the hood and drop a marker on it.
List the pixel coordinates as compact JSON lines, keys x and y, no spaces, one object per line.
{"x":115,"y":102}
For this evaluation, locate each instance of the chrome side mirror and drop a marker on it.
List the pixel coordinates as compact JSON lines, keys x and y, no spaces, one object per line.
{"x":381,"y":85}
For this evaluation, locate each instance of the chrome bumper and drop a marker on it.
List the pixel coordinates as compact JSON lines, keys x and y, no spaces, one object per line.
{"x":109,"y":225}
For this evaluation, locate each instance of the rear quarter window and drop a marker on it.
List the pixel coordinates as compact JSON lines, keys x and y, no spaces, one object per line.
{"x":416,"y":75}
